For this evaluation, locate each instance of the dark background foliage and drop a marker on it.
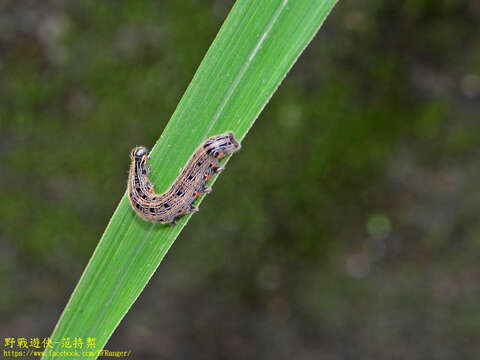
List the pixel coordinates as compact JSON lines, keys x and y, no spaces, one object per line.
{"x":346,"y":228}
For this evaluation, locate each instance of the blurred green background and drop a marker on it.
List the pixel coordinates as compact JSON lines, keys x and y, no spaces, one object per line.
{"x":346,"y":228}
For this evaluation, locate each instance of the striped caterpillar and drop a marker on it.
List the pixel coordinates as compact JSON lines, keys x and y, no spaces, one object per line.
{"x":178,"y":199}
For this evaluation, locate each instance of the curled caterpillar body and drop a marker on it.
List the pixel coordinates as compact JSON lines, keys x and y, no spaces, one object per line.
{"x":178,"y":199}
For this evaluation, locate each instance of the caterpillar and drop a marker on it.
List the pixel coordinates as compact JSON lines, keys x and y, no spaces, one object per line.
{"x":178,"y":199}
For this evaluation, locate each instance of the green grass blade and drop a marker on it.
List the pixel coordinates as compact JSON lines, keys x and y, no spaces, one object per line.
{"x":254,"y":50}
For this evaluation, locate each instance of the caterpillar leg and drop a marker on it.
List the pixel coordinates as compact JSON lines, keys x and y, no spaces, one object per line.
{"x":218,"y":169}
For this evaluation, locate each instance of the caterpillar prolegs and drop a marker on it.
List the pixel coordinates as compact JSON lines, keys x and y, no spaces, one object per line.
{"x":178,"y":199}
